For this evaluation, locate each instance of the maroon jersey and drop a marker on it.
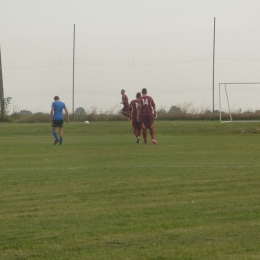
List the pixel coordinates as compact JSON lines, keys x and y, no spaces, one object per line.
{"x":125,"y":101}
{"x":134,"y":104}
{"x":146,"y":104}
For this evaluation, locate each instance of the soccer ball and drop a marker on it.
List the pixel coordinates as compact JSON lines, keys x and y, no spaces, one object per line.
{"x":86,"y":122}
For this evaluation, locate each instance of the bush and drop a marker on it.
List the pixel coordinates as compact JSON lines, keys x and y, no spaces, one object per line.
{"x":25,"y":112}
{"x":80,"y":111}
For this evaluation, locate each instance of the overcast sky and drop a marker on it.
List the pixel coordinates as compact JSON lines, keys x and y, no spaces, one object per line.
{"x":43,"y":18}
{"x":23,"y":24}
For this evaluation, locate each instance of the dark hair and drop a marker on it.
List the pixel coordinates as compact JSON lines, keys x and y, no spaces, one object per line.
{"x":56,"y":98}
{"x":123,"y":90}
{"x":144,"y":91}
{"x":138,"y":95}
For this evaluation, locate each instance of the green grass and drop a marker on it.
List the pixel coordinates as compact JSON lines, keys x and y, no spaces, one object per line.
{"x":101,"y":196}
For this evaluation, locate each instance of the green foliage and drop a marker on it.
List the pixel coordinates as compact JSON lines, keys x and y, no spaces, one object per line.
{"x":7,"y":102}
{"x":175,"y":113}
{"x":101,"y":196}
{"x":80,"y":111}
{"x":25,"y":112}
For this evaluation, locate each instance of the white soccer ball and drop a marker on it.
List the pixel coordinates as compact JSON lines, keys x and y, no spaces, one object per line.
{"x":86,"y":122}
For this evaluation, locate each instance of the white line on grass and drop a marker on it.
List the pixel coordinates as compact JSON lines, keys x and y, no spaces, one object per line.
{"x":130,"y":166}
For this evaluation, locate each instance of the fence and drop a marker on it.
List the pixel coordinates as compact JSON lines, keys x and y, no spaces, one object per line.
{"x":177,"y":69}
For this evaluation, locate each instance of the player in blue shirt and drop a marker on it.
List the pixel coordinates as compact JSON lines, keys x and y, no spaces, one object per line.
{"x":56,"y":118}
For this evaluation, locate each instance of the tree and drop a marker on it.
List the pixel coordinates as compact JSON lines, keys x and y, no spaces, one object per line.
{"x":175,"y":110}
{"x":7,"y":102}
{"x":80,"y":111}
{"x":25,"y":112}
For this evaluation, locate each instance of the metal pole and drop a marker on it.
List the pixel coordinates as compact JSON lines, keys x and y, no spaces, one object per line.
{"x":2,"y":105}
{"x":213,"y":76}
{"x":73,"y":72}
{"x":228,"y":103}
{"x":219,"y":102}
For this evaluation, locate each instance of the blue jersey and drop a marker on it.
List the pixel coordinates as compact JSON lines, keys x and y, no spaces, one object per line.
{"x":58,"y":108}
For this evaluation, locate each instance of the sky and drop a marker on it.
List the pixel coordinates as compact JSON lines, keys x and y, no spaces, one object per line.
{"x":29,"y":20}
{"x":44,"y":18}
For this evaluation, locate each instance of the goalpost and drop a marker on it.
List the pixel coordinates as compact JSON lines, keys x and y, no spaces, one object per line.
{"x":239,"y":102}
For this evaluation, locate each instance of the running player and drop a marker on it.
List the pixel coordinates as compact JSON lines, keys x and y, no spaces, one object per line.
{"x":146,"y":115}
{"x":56,"y":118}
{"x":136,"y":126}
{"x":125,"y":109}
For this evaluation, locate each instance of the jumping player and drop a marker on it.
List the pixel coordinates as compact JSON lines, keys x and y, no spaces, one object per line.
{"x":56,"y":118}
{"x":146,"y":115}
{"x":136,"y":126}
{"x":125,"y":109}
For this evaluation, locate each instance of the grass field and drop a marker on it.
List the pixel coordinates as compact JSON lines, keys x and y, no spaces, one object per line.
{"x":195,"y":195}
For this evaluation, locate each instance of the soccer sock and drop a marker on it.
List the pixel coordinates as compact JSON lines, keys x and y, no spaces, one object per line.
{"x":61,"y":138}
{"x":136,"y":133}
{"x":152,"y":133}
{"x":55,"y":135}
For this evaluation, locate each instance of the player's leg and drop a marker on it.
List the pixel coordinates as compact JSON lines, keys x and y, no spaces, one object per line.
{"x":143,"y":127}
{"x":135,"y":126}
{"x":151,"y":128}
{"x":54,"y":133}
{"x":61,"y":131}
{"x":152,"y":135}
{"x":144,"y":133}
{"x":139,"y":128}
{"x":61,"y":134}
{"x":125,"y":112}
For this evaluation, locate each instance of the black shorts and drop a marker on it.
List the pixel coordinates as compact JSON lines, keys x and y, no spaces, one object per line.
{"x":57,"y":123}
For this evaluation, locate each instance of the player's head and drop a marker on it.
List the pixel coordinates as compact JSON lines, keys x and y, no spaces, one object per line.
{"x":144,"y":91}
{"x":138,"y":95}
{"x":122,"y":91}
{"x":56,"y":98}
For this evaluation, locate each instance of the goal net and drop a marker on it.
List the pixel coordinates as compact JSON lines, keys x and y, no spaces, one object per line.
{"x":239,"y":102}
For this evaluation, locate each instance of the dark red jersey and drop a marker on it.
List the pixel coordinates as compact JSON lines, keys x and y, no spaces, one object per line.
{"x":125,"y":101}
{"x":134,"y":104}
{"x":146,"y":104}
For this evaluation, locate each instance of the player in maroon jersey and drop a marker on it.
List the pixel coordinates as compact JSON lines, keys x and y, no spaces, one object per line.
{"x":146,"y":115}
{"x":125,"y":109}
{"x":136,"y":126}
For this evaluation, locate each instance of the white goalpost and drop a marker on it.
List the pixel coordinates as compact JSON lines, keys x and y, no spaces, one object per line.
{"x":239,"y":102}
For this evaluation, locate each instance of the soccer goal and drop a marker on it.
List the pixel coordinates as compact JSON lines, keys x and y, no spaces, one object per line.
{"x":239,"y":102}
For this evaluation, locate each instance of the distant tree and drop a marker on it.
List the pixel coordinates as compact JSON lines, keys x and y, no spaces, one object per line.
{"x":80,"y":111}
{"x":207,"y":112}
{"x":175,"y":110}
{"x":25,"y":112}
{"x":7,"y":102}
{"x":38,"y":113}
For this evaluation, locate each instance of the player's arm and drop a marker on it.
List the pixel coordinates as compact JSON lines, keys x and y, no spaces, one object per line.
{"x":154,"y":112}
{"x":51,"y":114}
{"x":154,"y":108}
{"x":67,"y":115}
{"x":130,"y":110}
{"x":138,"y":112}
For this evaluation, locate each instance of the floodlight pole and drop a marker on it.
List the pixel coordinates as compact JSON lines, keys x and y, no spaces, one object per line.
{"x":213,"y":74}
{"x":73,"y":73}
